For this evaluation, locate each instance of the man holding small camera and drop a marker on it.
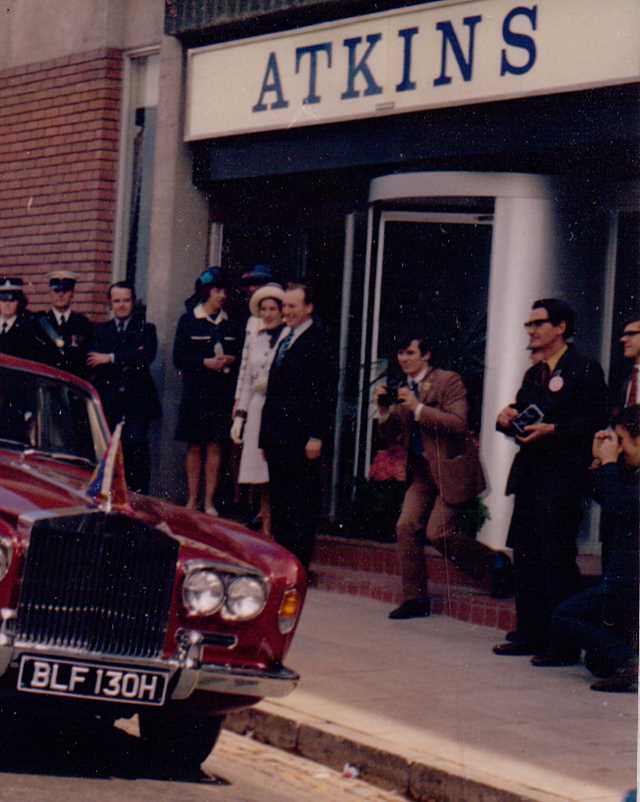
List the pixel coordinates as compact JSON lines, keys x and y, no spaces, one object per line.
{"x":561,"y":403}
{"x":429,"y":415}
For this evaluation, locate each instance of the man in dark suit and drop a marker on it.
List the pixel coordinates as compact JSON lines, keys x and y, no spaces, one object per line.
{"x":294,"y":425}
{"x":65,"y":334}
{"x":120,"y":357}
{"x":549,"y":474}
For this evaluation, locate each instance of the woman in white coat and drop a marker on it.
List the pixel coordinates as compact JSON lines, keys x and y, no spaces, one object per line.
{"x":259,"y":349}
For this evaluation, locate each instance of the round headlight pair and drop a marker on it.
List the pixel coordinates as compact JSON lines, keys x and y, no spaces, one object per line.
{"x":6,"y":554}
{"x":204,"y":593}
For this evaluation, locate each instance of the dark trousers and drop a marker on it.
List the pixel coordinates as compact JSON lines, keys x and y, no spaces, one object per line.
{"x":137,"y":459}
{"x":294,"y":488}
{"x":600,"y":622}
{"x":543,"y":535}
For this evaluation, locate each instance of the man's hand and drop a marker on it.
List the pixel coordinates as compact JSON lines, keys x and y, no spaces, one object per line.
{"x":381,"y":389}
{"x":606,"y":447}
{"x":536,"y":432}
{"x":94,"y":359}
{"x":407,"y":397}
{"x":215,"y":362}
{"x":506,"y":416}
{"x":313,"y":448}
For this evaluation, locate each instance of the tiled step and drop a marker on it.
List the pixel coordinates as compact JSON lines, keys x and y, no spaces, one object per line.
{"x":466,"y":604}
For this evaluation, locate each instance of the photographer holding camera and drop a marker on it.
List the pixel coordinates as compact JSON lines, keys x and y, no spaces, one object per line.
{"x":560,"y":405}
{"x":428,"y":412}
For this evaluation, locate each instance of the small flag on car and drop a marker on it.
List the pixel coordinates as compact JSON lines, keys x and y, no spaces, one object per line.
{"x":108,"y":486}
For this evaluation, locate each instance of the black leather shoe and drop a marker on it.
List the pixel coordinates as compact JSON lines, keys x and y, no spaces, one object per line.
{"x":623,"y":680}
{"x":502,"y":584}
{"x":412,"y":608}
{"x":514,"y":649}
{"x":513,"y":634}
{"x":555,"y":659}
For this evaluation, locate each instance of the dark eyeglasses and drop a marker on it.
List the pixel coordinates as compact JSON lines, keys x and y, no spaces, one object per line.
{"x":630,"y":333}
{"x":536,"y":324}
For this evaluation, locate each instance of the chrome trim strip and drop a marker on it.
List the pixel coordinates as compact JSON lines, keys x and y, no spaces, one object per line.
{"x":247,"y":682}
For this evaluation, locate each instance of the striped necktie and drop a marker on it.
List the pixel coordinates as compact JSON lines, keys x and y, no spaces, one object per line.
{"x":283,"y":348}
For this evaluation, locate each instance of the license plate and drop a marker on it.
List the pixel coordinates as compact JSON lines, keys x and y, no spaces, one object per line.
{"x":109,"y":682}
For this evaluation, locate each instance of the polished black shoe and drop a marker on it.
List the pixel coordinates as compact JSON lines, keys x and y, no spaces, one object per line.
{"x":623,"y":680}
{"x":516,"y":648}
{"x":512,"y":635}
{"x":502,"y":583}
{"x":412,"y":608}
{"x":555,"y":659}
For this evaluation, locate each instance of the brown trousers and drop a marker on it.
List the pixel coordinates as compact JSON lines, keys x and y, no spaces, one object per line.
{"x":424,"y":512}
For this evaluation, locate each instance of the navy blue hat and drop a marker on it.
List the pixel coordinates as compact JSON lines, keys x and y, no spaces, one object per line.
{"x":258,"y":274}
{"x":212,"y":277}
{"x":11,"y":288}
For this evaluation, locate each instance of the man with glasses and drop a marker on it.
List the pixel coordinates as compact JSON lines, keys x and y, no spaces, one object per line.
{"x":630,"y":340}
{"x":549,"y":474}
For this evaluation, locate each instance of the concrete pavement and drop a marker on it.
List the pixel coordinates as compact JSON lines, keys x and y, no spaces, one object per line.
{"x":424,"y":707}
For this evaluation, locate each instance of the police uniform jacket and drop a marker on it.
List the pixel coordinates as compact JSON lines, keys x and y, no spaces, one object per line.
{"x":23,"y":338}
{"x":65,"y":347}
{"x":125,"y":386}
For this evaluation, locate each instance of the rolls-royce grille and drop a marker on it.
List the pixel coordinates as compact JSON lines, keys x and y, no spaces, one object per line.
{"x":97,"y":582}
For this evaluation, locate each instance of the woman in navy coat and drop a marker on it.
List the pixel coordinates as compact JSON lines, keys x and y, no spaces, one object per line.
{"x":205,"y":352}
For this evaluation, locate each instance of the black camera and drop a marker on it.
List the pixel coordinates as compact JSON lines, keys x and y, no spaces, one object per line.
{"x":391,"y":396}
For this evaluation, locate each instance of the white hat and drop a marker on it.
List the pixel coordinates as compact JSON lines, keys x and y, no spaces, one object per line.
{"x":268,"y":291}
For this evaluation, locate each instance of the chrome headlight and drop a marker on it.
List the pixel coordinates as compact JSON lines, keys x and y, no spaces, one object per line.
{"x":246,"y":598}
{"x":203,"y":592}
{"x":6,"y":555}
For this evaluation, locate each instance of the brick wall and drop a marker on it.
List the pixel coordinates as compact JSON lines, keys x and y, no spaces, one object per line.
{"x":59,"y":124}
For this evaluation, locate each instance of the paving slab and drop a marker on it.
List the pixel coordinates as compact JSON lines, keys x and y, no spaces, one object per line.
{"x":424,"y":706}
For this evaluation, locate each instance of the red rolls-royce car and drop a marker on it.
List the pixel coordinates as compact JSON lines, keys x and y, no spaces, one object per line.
{"x":114,"y":604}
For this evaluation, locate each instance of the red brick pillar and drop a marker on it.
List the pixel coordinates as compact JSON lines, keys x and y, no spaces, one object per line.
{"x":59,"y":128}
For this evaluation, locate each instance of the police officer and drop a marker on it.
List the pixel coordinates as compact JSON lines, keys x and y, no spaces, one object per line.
{"x":65,"y":334}
{"x":120,"y":357}
{"x":17,"y":330}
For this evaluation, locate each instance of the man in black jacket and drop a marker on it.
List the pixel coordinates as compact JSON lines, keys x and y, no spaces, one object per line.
{"x":604,"y":619}
{"x":549,"y":473}
{"x":65,"y":334}
{"x":120,"y":357}
{"x":18,"y":334}
{"x":295,"y":423}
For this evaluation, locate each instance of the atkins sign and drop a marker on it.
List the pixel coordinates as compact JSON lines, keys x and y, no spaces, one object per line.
{"x":422,"y":57}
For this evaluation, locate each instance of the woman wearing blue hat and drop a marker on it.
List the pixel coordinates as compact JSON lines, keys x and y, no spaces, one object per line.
{"x":205,"y":352}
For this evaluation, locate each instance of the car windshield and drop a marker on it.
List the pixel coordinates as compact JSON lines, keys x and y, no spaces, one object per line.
{"x":48,"y":417}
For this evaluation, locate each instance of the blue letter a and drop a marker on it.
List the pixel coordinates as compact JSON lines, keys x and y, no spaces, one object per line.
{"x":271,"y":83}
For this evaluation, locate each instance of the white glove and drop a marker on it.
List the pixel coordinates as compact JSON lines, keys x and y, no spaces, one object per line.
{"x":236,"y":430}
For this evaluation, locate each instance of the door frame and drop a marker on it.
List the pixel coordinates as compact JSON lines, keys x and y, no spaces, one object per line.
{"x":369,"y":357}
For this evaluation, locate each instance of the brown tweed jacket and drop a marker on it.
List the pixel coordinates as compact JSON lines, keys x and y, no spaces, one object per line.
{"x":448,"y":447}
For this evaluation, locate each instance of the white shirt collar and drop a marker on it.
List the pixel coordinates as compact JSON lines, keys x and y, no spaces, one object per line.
{"x":299,"y":329}
{"x":60,"y":316}
{"x":420,"y":377}
{"x":8,"y":320}
{"x":200,"y":314}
